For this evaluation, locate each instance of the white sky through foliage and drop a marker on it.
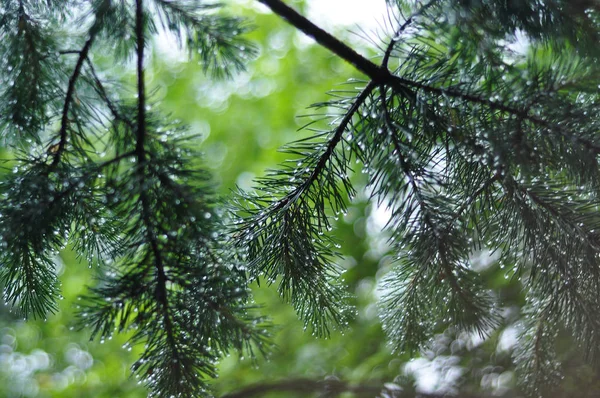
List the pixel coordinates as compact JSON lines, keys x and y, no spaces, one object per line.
{"x":364,"y":13}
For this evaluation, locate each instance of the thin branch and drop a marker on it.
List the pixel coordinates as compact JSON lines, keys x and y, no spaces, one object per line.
{"x":141,"y":109}
{"x":140,"y":150}
{"x":89,"y":174}
{"x":99,"y":88}
{"x":486,"y":185}
{"x":64,"y":122}
{"x":307,"y":386}
{"x":403,"y":163}
{"x":568,"y":225}
{"x":326,"y":40}
{"x":425,"y":207}
{"x":329,"y":388}
{"x":337,"y":137}
{"x":400,"y":83}
{"x":402,"y":28}
{"x":65,"y":52}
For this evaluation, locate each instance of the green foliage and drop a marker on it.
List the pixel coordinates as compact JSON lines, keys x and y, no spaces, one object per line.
{"x":216,"y":38}
{"x":471,"y":145}
{"x":153,"y":226}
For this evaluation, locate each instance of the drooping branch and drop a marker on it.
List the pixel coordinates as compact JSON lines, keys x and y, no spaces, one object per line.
{"x":424,"y":207}
{"x":161,"y":287}
{"x":331,"y":145}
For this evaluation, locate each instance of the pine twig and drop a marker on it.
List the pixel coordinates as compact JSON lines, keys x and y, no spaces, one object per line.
{"x":103,"y":94}
{"x":69,"y":97}
{"x":402,"y":28}
{"x":333,"y":142}
{"x":327,"y":40}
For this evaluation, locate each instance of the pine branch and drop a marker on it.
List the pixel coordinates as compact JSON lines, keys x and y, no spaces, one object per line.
{"x":474,"y":196}
{"x":156,"y":223}
{"x":377,"y":74}
{"x":101,"y":12}
{"x":332,"y":388}
{"x":161,"y":282}
{"x":215,"y":38}
{"x":382,"y":75}
{"x":141,"y":103}
{"x":331,"y":145}
{"x":285,"y":239}
{"x":558,"y":239}
{"x":85,"y":177}
{"x":481,"y":316}
{"x":30,"y":73}
{"x":69,"y":97}
{"x":535,"y":357}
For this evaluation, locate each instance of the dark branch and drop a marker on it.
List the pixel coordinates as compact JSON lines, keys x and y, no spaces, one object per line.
{"x":140,"y":150}
{"x":94,"y":172}
{"x":333,"y":142}
{"x":329,"y":388}
{"x":64,"y":122}
{"x":327,"y":40}
{"x":99,"y":88}
{"x":381,"y":75}
{"x":141,"y":111}
{"x":307,"y":386}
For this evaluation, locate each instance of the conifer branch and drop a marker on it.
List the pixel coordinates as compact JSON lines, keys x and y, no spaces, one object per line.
{"x":68,"y":52}
{"x":307,"y":386}
{"x":30,"y":75}
{"x":161,"y":286}
{"x":447,"y":270}
{"x":474,"y":196}
{"x":141,"y":88}
{"x":156,"y":223}
{"x":331,"y":145}
{"x":97,"y":167}
{"x":381,"y":75}
{"x":433,"y":250}
{"x":296,"y":222}
{"x":566,"y":216}
{"x":70,"y":95}
{"x":161,"y":292}
{"x":466,"y":150}
{"x":328,"y":41}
